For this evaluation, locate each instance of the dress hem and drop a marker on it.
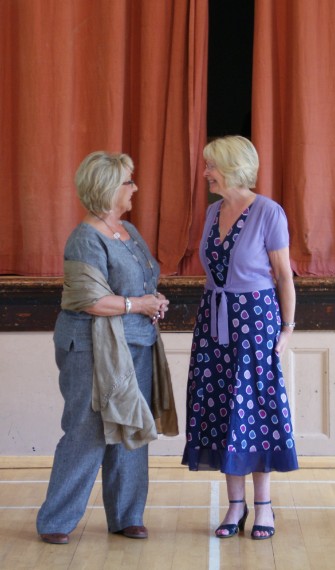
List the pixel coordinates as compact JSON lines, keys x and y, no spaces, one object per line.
{"x":240,"y":463}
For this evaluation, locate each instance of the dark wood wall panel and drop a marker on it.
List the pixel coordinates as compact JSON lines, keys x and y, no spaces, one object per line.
{"x":32,"y":304}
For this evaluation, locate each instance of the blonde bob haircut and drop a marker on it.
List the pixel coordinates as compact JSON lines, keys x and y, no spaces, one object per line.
{"x":236,"y":159}
{"x":100,"y":177}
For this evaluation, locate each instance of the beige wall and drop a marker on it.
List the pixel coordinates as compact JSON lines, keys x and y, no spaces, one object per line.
{"x":31,"y":404}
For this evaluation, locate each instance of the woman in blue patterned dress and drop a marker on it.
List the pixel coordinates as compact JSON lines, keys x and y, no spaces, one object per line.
{"x":238,"y":416}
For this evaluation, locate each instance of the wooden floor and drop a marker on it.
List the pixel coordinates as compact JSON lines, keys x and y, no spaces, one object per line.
{"x":182,"y":512}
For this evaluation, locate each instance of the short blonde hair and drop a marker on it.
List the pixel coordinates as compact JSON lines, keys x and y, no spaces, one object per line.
{"x":236,"y":159}
{"x":99,"y":178}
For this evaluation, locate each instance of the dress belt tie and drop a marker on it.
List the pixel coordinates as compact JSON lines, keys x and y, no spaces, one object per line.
{"x":219,"y":316}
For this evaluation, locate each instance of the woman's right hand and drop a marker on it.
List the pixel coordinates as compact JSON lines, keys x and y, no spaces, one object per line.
{"x":153,"y":306}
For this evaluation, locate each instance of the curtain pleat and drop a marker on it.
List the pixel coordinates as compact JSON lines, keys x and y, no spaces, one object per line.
{"x":115,"y":75}
{"x":293,"y":123}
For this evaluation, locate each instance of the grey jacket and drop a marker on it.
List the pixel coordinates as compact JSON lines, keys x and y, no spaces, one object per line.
{"x":124,"y":275}
{"x":125,"y":413}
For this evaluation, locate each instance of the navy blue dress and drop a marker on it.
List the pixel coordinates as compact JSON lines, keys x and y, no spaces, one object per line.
{"x":238,"y":416}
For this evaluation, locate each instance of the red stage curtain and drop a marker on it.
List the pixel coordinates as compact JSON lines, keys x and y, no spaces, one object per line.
{"x":115,"y":75}
{"x":293,"y":124}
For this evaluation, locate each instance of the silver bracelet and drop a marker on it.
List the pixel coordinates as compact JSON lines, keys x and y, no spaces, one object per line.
{"x":285,"y":324}
{"x":127,"y":303}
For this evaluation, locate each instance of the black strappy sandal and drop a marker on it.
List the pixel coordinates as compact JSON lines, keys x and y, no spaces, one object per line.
{"x":233,"y":528}
{"x":259,"y":528}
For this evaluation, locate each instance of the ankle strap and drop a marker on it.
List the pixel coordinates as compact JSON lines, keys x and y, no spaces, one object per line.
{"x":262,"y":502}
{"x":240,"y":501}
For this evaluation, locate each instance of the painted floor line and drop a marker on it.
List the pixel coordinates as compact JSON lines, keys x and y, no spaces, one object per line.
{"x":279,"y":508}
{"x":198,"y":481}
{"x":214,"y":543}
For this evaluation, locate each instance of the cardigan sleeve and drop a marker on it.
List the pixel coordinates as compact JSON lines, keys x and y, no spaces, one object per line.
{"x":276,"y":234}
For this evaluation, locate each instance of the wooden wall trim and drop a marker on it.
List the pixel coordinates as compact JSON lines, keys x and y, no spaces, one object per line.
{"x":32,"y":304}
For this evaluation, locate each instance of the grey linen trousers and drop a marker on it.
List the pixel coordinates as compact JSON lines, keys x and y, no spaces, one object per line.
{"x":82,"y":451}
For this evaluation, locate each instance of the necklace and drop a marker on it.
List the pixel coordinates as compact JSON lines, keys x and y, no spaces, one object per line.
{"x":149,"y":264}
{"x":116,"y":235}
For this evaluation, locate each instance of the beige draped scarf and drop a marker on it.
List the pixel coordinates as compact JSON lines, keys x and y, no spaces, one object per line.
{"x":125,"y":413}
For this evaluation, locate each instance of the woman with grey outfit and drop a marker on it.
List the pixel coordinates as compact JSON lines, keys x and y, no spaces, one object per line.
{"x":104,"y":339}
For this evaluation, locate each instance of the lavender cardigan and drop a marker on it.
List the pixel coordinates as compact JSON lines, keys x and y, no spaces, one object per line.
{"x":249,"y":269}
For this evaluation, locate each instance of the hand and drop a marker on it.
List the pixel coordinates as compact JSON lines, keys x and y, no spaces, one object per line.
{"x":153,"y":306}
{"x":163,"y":305}
{"x":283,"y":341}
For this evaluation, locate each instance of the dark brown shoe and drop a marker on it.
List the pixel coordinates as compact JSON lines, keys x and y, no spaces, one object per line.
{"x":134,"y":532}
{"x":55,"y":538}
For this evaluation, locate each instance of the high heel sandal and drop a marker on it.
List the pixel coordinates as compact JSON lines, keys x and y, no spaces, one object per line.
{"x":259,"y":528}
{"x":233,"y":528}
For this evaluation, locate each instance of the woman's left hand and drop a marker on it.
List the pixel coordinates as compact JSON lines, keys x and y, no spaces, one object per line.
{"x":283,"y":341}
{"x":163,"y":307}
